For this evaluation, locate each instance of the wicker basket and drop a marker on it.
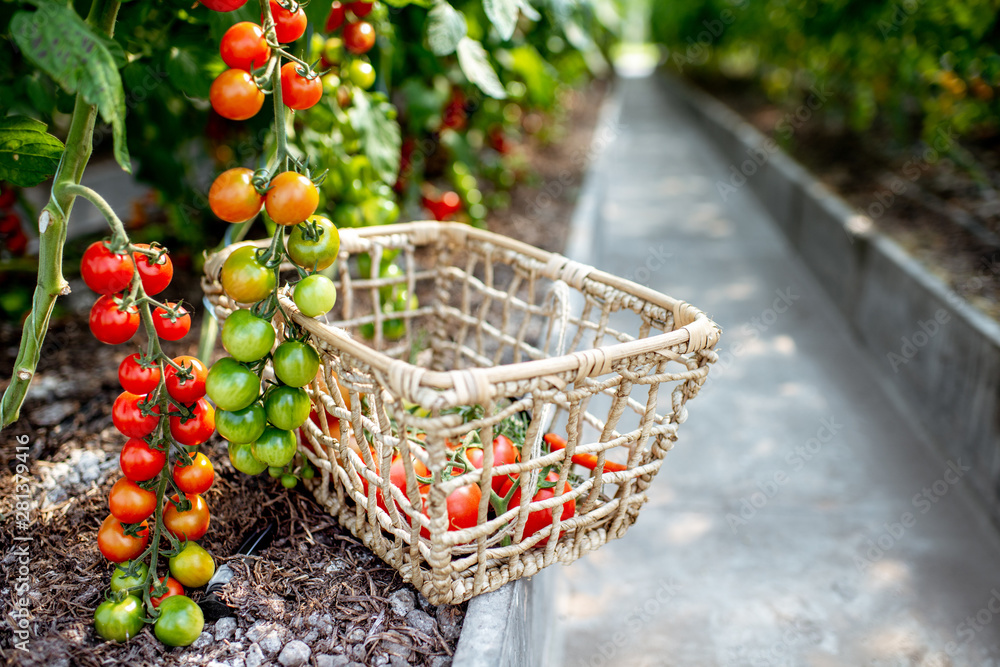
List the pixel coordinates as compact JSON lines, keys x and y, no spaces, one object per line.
{"x":512,"y":329}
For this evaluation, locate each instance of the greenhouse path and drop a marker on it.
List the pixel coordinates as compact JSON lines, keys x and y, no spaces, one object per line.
{"x":800,"y":519}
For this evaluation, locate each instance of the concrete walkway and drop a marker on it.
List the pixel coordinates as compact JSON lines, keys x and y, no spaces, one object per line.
{"x":801,"y":519}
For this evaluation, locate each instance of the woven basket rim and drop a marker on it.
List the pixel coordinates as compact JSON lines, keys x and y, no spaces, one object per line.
{"x":697,"y":333}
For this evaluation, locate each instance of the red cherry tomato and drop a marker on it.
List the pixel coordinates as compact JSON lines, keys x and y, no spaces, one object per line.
{"x":155,"y":277}
{"x":169,"y":328}
{"x":244,"y":46}
{"x":173,"y":588}
{"x":540,"y":519}
{"x":191,"y":389}
{"x":130,"y":503}
{"x":104,"y":271}
{"x":504,"y":453}
{"x":223,"y":5}
{"x":128,"y":417}
{"x":198,"y":428}
{"x":288,"y":26}
{"x":140,"y":462}
{"x":360,"y":9}
{"x":235,"y":95}
{"x":359,"y":37}
{"x":233,"y":197}
{"x":118,"y":547}
{"x":193,"y":523}
{"x":136,"y":379}
{"x":335,"y":18}
{"x":194,"y":478}
{"x":299,"y":92}
{"x":110,"y":324}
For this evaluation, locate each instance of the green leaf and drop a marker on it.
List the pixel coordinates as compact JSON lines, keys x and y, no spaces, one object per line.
{"x":503,"y":15}
{"x":59,"y":43}
{"x":529,"y":11}
{"x":28,"y":154}
{"x":445,"y":28}
{"x":477,"y":68}
{"x":191,"y":71}
{"x":406,"y":3}
{"x":379,"y":134}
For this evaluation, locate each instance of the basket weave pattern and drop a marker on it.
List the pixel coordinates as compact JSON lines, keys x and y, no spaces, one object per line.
{"x":505,"y":326}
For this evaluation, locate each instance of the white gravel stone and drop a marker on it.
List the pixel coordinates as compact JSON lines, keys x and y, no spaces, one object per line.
{"x":295,"y":654}
{"x":254,"y":657}
{"x":271,"y":643}
{"x":224,"y":628}
{"x":204,"y":640}
{"x":402,"y":602}
{"x":422,"y":621}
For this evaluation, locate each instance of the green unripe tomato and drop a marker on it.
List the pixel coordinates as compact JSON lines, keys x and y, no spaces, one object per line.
{"x":242,"y":458}
{"x":289,"y":481}
{"x":120,"y":580}
{"x":241,"y":426}
{"x":275,"y":472}
{"x":245,"y":278}
{"x":180,"y":621}
{"x":362,"y":74}
{"x":314,"y":253}
{"x":119,"y":621}
{"x":276,"y":447}
{"x":231,"y":385}
{"x":333,"y":50}
{"x":295,"y":363}
{"x":287,"y":407}
{"x":308,"y":472}
{"x":193,"y":567}
{"x":247,"y":337}
{"x":315,"y":295}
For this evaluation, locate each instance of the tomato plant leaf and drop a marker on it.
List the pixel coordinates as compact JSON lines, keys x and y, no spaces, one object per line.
{"x":445,"y":28}
{"x":476,"y":66}
{"x":529,"y":11}
{"x":503,"y":15}
{"x":63,"y":46}
{"x":28,"y":154}
{"x":379,"y":134}
{"x":406,"y":3}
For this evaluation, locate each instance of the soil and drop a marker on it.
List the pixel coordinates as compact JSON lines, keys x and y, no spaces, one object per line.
{"x":315,"y":583}
{"x":942,"y":206}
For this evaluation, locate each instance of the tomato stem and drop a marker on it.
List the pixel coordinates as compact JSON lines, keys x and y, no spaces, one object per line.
{"x":281,"y":154}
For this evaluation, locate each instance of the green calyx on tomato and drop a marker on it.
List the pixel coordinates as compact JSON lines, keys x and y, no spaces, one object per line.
{"x":247,"y":337}
{"x":231,"y":385}
{"x":193,"y":566}
{"x":121,"y":579}
{"x":241,"y":426}
{"x":245,"y":278}
{"x":315,"y":295}
{"x":287,"y":407}
{"x":119,"y":621}
{"x":242,"y":458}
{"x":295,"y":363}
{"x":180,"y":621}
{"x":314,"y":244}
{"x":276,"y":447}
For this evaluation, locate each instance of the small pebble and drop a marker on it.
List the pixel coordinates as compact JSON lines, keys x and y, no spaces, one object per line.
{"x":324,"y":660}
{"x":421,"y":620}
{"x":204,"y":640}
{"x":356,"y":635}
{"x":255,"y":657}
{"x":270,"y":643}
{"x":295,"y":654}
{"x":402,"y":602}
{"x":224,"y":628}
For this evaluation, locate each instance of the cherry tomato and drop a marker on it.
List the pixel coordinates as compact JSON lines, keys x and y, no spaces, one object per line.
{"x":233,"y":197}
{"x":104,"y":271}
{"x":231,"y":385}
{"x":540,"y":519}
{"x":335,"y":18}
{"x":244,"y":46}
{"x":119,"y":620}
{"x":299,"y":92}
{"x":140,"y":462}
{"x":360,"y":9}
{"x":247,"y":337}
{"x":110,"y":324}
{"x":118,"y":547}
{"x":242,"y":458}
{"x":291,"y":199}
{"x":194,"y":478}
{"x":173,"y":588}
{"x":245,"y":278}
{"x":504,"y":453}
{"x":223,"y":5}
{"x":189,"y":390}
{"x":359,"y":37}
{"x":287,"y":407}
{"x":463,"y":507}
{"x":130,"y":503}
{"x":241,"y":426}
{"x":171,"y":328}
{"x":288,"y":26}
{"x":121,"y":580}
{"x":191,"y":524}
{"x":235,"y":95}
{"x":319,"y":250}
{"x":136,"y":379}
{"x":315,"y":295}
{"x":155,"y":276}
{"x":275,"y":447}
{"x":180,"y":621}
{"x":193,"y":566}
{"x":362,"y":74}
{"x":198,"y":428}
{"x":295,"y":363}
{"x":128,"y":418}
